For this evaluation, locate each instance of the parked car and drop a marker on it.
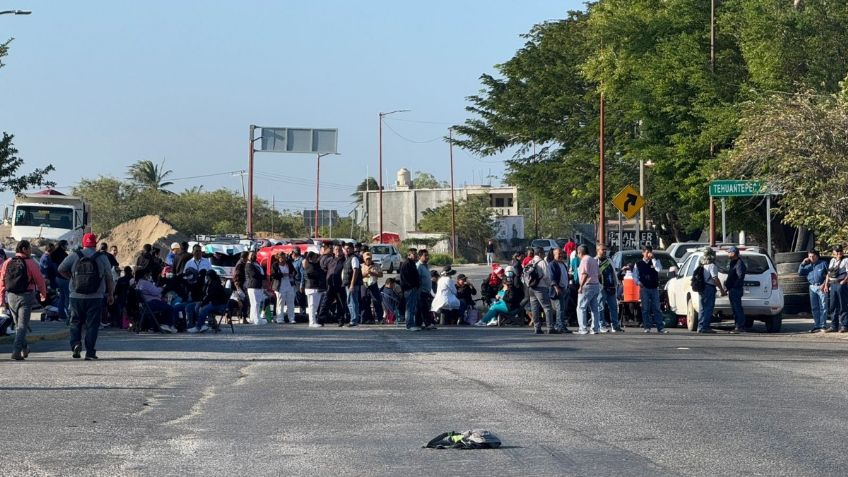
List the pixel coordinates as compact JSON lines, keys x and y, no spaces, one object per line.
{"x":546,"y":244}
{"x":388,"y":256}
{"x":762,"y":298}
{"x":625,"y":259}
{"x":679,"y":249}
{"x":223,"y":257}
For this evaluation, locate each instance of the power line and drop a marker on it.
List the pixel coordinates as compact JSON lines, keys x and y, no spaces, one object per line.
{"x":440,"y":138}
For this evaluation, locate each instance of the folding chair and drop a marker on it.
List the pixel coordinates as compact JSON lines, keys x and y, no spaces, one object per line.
{"x":140,"y":311}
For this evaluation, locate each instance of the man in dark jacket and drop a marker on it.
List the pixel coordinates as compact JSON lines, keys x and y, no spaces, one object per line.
{"x":214,"y":302}
{"x":410,"y":282}
{"x":735,"y":285}
{"x":336,"y":292}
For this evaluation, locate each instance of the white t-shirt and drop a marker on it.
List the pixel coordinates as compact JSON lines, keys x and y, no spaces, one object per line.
{"x":710,"y":274}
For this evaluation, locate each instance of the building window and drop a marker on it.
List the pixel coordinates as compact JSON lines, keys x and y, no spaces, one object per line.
{"x":509,"y":202}
{"x":499,"y":202}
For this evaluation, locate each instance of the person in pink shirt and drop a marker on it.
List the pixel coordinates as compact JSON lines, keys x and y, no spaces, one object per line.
{"x":587,"y":293}
{"x":20,"y":280}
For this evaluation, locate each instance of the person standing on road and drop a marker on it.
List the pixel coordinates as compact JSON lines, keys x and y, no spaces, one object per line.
{"x":708,"y":296}
{"x":836,"y":287}
{"x":588,"y":289}
{"x":90,"y":280}
{"x":735,"y":285}
{"x":646,"y":276}
{"x":352,"y":280}
{"x":315,"y":285}
{"x":284,"y":276}
{"x":57,"y":257}
{"x":490,"y":252}
{"x":538,"y":280}
{"x":254,"y":281}
{"x":20,"y":280}
{"x":608,"y":296}
{"x":425,"y":291}
{"x":372,"y":297}
{"x":815,"y":269}
{"x":560,"y":295}
{"x":410,"y":282}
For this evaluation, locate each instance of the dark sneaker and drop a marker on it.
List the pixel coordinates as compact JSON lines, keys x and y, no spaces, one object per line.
{"x":92,"y":357}
{"x":736,"y":331}
{"x":816,"y":330}
{"x":539,"y":331}
{"x":566,"y":331}
{"x":77,"y":351}
{"x":843,"y":330}
{"x":554,"y":332}
{"x":352,"y":325}
{"x":830,"y":330}
{"x":618,"y":330}
{"x":25,"y":352}
{"x":709,"y":331}
{"x":665,"y":331}
{"x":17,"y":357}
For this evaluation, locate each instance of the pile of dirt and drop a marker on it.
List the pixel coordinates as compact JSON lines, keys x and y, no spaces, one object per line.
{"x":130,"y":236}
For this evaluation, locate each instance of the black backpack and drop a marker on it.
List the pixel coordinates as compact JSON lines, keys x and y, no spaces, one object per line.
{"x":17,"y":277}
{"x":86,"y":274}
{"x":531,"y":275}
{"x":698,"y":282}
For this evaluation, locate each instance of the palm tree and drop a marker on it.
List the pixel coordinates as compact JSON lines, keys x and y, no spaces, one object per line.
{"x":148,"y":175}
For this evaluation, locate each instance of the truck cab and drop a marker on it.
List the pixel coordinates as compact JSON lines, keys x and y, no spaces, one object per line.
{"x":50,"y":215}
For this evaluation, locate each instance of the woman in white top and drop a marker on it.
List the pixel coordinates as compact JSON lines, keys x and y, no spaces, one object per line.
{"x":284,"y":276}
{"x":445,"y":298}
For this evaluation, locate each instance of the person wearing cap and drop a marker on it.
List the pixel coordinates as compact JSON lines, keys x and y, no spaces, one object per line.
{"x":836,"y":286}
{"x":175,"y":249}
{"x":371,"y":296}
{"x":735,"y":285}
{"x":540,"y":298}
{"x":465,"y":293}
{"x":646,"y":276}
{"x":445,"y":300}
{"x":18,"y":303}
{"x":86,"y":308}
{"x":181,"y":258}
{"x":707,"y":297}
{"x":815,"y":270}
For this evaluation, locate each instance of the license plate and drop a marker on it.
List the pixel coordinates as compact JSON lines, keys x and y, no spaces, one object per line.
{"x":751,"y":284}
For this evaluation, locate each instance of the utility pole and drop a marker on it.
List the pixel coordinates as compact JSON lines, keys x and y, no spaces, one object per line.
{"x":250,"y":184}
{"x":380,"y":168}
{"x":602,"y":224}
{"x":453,"y":199}
{"x":712,"y":147}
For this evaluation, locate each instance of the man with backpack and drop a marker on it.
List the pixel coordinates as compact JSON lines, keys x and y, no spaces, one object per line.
{"x":538,"y":282}
{"x":90,"y":280}
{"x":707,"y":273}
{"x":20,"y":280}
{"x":608,"y":298}
{"x":560,"y":295}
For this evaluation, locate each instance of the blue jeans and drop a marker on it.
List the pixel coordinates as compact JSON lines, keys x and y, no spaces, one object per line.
{"x":206,"y":310}
{"x":735,"y":297}
{"x":608,"y":301}
{"x":20,"y":307}
{"x":169,"y":315}
{"x":411,"y":297}
{"x":589,"y":299}
{"x":838,"y":306}
{"x":651,"y":314}
{"x":353,"y":304}
{"x":560,"y":305}
{"x":85,"y":312}
{"x":818,"y":304}
{"x":63,"y":303}
{"x":707,"y":302}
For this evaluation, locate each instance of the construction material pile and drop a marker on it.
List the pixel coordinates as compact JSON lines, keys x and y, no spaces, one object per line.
{"x":130,"y":236}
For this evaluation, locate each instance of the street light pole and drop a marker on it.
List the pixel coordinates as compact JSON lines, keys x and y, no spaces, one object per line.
{"x":250,"y":184}
{"x":453,"y":200}
{"x":602,"y":226}
{"x":318,"y":190}
{"x":380,"y":164}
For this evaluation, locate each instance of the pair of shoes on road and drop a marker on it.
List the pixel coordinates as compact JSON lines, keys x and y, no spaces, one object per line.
{"x":414,"y":328}
{"x":167,"y":329}
{"x":707,"y":331}
{"x":648,"y":330}
{"x":480,"y":323}
{"x":430,"y":327}
{"x":17,"y":356}
{"x":816,"y":330}
{"x":193,"y":329}
{"x":315,"y":325}
{"x":605,"y":329}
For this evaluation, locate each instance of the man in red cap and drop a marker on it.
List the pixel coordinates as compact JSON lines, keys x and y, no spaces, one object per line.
{"x":90,"y":281}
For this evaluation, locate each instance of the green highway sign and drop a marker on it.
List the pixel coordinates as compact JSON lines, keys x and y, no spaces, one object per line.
{"x":736,"y":188}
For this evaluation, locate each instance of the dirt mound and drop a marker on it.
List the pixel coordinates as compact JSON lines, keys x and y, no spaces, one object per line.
{"x":130,"y":236}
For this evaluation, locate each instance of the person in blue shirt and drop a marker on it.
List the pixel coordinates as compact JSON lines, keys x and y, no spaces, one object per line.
{"x":735,"y":285}
{"x":815,"y":269}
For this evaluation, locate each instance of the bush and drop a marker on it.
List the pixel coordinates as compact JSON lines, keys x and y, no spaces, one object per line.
{"x":440,"y":259}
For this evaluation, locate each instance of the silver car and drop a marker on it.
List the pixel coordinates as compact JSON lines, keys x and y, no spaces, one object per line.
{"x":387,"y":256}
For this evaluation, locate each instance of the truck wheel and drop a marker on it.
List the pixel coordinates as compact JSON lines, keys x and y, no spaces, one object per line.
{"x":774,"y":323}
{"x":691,"y":316}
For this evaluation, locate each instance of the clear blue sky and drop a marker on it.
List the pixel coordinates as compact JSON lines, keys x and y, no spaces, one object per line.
{"x":93,"y":86}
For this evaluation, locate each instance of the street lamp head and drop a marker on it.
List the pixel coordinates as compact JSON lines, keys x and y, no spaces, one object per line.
{"x":16,"y":12}
{"x":395,"y":111}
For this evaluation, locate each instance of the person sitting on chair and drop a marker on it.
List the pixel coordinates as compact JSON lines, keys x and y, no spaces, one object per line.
{"x":445,"y":300}
{"x":391,"y":298}
{"x":215,"y":299}
{"x":465,"y":292}
{"x":152,"y":295}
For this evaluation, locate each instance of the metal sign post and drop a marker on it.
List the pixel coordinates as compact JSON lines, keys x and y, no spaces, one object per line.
{"x":741,"y":188}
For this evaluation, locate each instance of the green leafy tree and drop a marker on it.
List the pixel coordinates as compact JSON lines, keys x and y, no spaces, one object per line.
{"x":148,"y":175}
{"x":475,"y":225}
{"x":425,"y":180}
{"x":367,"y":184}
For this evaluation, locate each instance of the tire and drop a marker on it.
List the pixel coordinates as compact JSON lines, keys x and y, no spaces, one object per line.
{"x":774,"y":323}
{"x":796,"y":304}
{"x":791,"y":286}
{"x":789,"y":268}
{"x":691,"y":316}
{"x":790,"y":257}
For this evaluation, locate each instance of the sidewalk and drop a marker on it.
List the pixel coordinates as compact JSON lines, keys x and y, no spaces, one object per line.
{"x":41,"y":331}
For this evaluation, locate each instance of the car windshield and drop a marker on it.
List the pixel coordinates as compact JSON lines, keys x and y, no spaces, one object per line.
{"x":44,"y":216}
{"x":541,"y":243}
{"x":222,"y":260}
{"x":755,"y":264}
{"x":380,"y":250}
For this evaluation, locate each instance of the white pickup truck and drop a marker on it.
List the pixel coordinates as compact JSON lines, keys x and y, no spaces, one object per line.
{"x":50,"y":215}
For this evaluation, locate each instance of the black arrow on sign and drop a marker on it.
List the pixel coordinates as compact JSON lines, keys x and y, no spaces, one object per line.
{"x":631,"y":200}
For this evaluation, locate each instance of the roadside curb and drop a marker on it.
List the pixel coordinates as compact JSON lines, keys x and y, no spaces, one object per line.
{"x":59,"y":335}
